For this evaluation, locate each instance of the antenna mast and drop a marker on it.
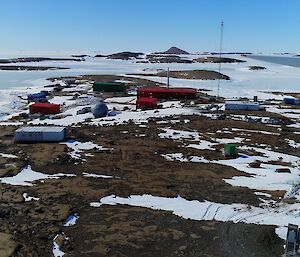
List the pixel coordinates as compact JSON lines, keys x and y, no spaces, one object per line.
{"x":168,"y":77}
{"x":220,"y":55}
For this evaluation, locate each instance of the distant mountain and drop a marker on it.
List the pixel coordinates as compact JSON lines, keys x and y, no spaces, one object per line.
{"x":174,"y":50}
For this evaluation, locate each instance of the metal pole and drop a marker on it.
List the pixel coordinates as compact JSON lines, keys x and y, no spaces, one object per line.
{"x":220,"y":55}
{"x":168,"y":75}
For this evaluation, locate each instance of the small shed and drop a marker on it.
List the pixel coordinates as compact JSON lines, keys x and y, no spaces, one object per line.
{"x":44,"y":108}
{"x":40,"y":134}
{"x":110,"y":87}
{"x":242,"y":106}
{"x":167,"y":93}
{"x":146,"y":103}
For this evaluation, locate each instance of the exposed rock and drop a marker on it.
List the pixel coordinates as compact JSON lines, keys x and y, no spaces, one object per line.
{"x":124,"y":55}
{"x":37,"y":59}
{"x":100,"y":56}
{"x":167,"y":59}
{"x":283,"y":170}
{"x":190,"y":74}
{"x":217,"y":60}
{"x":7,"y":245}
{"x":80,"y":55}
{"x":174,"y":50}
{"x":257,"y":68}
{"x":30,"y":68}
{"x":255,"y":164}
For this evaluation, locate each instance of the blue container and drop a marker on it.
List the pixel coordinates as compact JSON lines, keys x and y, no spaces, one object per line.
{"x":100,"y":110}
{"x":291,"y":100}
{"x":37,"y":97}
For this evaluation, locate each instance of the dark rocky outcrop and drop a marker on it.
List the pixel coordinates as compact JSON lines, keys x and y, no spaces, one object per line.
{"x":29,"y":68}
{"x":174,"y":50}
{"x":189,"y":74}
{"x":37,"y":59}
{"x":100,"y":56}
{"x":124,"y":55}
{"x":257,"y":68}
{"x":152,"y":58}
{"x":217,"y":60}
{"x":80,"y":55}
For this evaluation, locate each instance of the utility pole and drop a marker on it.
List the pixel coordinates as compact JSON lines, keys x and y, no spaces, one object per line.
{"x":168,"y":77}
{"x":220,"y":56}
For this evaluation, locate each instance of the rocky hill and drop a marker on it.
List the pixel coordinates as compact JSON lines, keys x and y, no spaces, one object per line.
{"x":174,"y":50}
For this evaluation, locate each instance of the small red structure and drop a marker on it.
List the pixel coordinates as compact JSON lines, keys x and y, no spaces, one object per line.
{"x":146,"y":103}
{"x":44,"y":108}
{"x":167,"y":93}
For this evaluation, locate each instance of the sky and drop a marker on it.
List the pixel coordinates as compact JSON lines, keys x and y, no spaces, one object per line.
{"x":149,"y":25}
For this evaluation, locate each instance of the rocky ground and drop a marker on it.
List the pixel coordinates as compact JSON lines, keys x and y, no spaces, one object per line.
{"x":32,"y":218}
{"x":28,"y":228}
{"x":189,"y":74}
{"x":29,"y":68}
{"x":37,"y":59}
{"x":217,"y":60}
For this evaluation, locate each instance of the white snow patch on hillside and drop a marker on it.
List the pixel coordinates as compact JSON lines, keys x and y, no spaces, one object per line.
{"x":279,"y":214}
{"x":78,"y":147}
{"x":27,"y":176}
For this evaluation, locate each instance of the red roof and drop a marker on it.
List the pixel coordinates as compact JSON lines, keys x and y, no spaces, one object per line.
{"x":168,"y":90}
{"x":167,"y":93}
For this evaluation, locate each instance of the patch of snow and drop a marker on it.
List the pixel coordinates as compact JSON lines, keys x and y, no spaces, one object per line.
{"x":121,"y":100}
{"x":169,"y":104}
{"x":279,"y":215}
{"x":293,"y":192}
{"x":229,"y":140}
{"x":26,"y":176}
{"x":175,"y":157}
{"x":71,"y":220}
{"x":142,"y":116}
{"x":203,"y":145}
{"x":281,"y":232}
{"x":28,"y":198}
{"x":10,"y":156}
{"x":79,"y":147}
{"x":179,"y":157}
{"x":262,"y":194}
{"x":92,"y":175}
{"x":55,"y":248}
{"x":265,"y":177}
{"x":292,"y":143}
{"x":178,"y":134}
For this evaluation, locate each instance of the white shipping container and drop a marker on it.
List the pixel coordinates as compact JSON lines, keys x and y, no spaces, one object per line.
{"x":40,"y":134}
{"x":245,"y":106}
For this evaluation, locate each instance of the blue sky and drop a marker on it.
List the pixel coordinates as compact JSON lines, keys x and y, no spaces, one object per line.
{"x":149,"y":25}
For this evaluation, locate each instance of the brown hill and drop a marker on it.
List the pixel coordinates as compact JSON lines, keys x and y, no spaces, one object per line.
{"x":174,"y":50}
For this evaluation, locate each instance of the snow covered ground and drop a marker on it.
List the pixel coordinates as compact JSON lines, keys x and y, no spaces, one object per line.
{"x":243,"y":81}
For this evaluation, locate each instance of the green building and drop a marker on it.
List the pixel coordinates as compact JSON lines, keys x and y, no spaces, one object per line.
{"x":112,"y":87}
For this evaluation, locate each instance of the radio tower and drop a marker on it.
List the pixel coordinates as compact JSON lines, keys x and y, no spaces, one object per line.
{"x":220,"y":56}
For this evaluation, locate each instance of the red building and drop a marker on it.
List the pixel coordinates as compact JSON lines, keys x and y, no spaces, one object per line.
{"x":167,"y":93}
{"x":146,"y":103}
{"x":44,"y":108}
